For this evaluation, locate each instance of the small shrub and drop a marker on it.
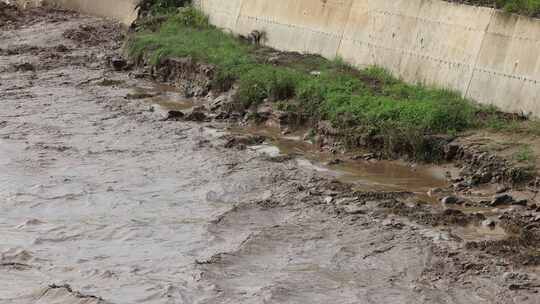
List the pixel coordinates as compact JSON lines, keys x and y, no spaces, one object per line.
{"x":161,"y":7}
{"x":191,"y":17}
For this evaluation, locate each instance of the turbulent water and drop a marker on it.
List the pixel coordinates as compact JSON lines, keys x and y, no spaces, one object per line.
{"x":103,"y":201}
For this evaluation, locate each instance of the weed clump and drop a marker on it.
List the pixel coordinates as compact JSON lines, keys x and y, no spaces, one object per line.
{"x":523,"y":7}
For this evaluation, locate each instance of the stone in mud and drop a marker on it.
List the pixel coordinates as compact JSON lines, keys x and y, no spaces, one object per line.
{"x":450,"y":200}
{"x":434,"y":191}
{"x":326,"y":128}
{"x":243,"y":141}
{"x":366,"y":156}
{"x":451,"y":151}
{"x":334,"y":162}
{"x":265,"y":110}
{"x":501,"y":199}
{"x":222,"y":115}
{"x":502,"y":189}
{"x":489,"y":223}
{"x":461,"y":186}
{"x":218,"y":102}
{"x":353,"y":209}
{"x":198,"y":116}
{"x":118,"y":63}
{"x":25,"y":67}
{"x":139,"y":95}
{"x":61,"y":48}
{"x":174,"y":115}
{"x":522,"y":202}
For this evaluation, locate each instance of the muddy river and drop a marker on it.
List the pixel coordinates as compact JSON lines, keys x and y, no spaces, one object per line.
{"x":104,"y":201}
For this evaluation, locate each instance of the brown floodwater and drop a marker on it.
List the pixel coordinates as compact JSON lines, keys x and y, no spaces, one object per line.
{"x":100,"y":193}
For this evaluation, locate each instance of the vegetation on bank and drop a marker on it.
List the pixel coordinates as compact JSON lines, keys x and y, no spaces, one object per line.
{"x":369,"y":105}
{"x":523,"y":7}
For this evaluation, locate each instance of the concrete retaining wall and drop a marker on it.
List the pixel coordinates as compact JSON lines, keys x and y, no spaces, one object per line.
{"x":487,"y":55}
{"x":124,"y":11}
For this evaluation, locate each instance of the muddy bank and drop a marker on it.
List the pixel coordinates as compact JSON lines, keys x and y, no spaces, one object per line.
{"x":117,"y":190}
{"x":483,"y":188}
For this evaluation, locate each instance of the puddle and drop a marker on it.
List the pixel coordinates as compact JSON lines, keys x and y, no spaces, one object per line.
{"x":480,"y":232}
{"x":165,"y":96}
{"x":366,"y":175}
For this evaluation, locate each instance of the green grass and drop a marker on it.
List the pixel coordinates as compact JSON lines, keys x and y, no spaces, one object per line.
{"x":522,"y":7}
{"x":525,"y":154}
{"x":525,"y":7}
{"x":367,"y":103}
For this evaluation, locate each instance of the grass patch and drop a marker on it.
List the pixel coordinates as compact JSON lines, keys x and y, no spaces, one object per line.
{"x":370,"y":106}
{"x":525,"y":154}
{"x":524,"y":7}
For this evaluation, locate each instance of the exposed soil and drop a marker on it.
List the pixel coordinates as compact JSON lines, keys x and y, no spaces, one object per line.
{"x":115,"y":189}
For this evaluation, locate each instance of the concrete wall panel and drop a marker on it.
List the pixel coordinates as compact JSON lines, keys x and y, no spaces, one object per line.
{"x":310,"y":26}
{"x":507,"y":72}
{"x":122,"y":10}
{"x":222,"y":14}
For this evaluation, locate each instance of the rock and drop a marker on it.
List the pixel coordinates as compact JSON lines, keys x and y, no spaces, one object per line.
{"x":265,"y":110}
{"x":61,"y":48}
{"x":196,"y":116}
{"x":309,"y":134}
{"x":286,"y":131}
{"x":326,"y":128}
{"x":522,"y":202}
{"x":507,"y":276}
{"x":273,"y":59}
{"x":218,"y":102}
{"x":328,"y":199}
{"x":139,"y":95}
{"x":450,"y":151}
{"x":367,"y":156}
{"x":502,"y":189}
{"x":25,"y":67}
{"x":461,"y":186}
{"x":489,"y":223}
{"x":334,"y":162}
{"x":353,"y":209}
{"x":450,"y":200}
{"x":222,"y":115}
{"x":173,"y":115}
{"x":118,"y":63}
{"x":453,"y":212}
{"x":501,"y":199}
{"x":243,"y":141}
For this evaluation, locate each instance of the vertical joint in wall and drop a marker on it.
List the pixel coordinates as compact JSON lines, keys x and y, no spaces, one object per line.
{"x":346,"y":24}
{"x":477,"y":57}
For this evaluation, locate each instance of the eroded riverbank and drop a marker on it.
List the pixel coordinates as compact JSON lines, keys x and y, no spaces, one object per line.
{"x":98,"y":191}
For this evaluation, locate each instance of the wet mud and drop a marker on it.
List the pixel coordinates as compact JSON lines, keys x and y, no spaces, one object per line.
{"x":109,"y":195}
